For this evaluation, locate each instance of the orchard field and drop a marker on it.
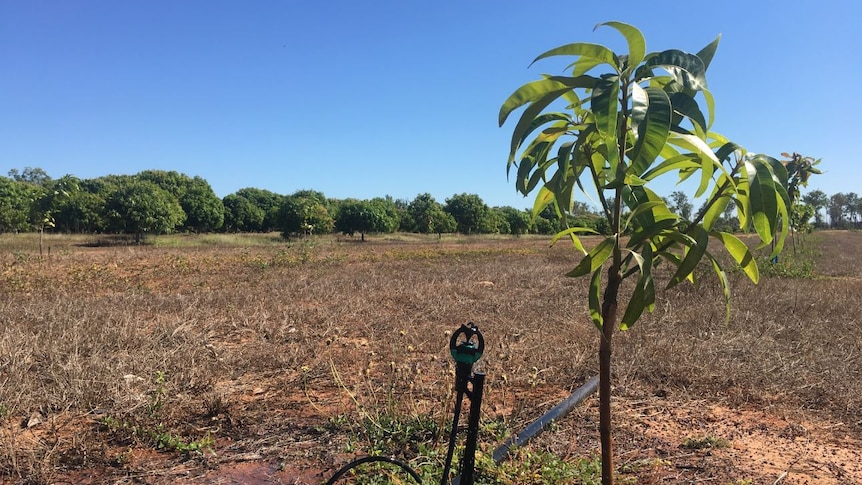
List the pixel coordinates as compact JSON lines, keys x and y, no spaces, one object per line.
{"x":246,"y":359}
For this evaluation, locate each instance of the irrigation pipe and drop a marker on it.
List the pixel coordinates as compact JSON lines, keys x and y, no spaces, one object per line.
{"x":370,"y":459}
{"x":537,"y":426}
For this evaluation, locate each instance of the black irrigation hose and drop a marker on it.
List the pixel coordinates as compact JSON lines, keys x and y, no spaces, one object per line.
{"x":537,"y":426}
{"x":369,"y":459}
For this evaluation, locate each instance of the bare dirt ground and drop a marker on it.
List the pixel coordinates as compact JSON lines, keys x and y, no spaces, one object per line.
{"x":115,"y":361}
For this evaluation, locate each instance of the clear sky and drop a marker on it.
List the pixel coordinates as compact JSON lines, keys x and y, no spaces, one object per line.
{"x":371,"y":98}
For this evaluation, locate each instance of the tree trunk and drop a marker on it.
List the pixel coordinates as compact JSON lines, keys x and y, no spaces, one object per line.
{"x":609,"y":316}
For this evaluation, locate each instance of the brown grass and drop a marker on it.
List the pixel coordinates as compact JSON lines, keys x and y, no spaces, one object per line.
{"x":256,"y":345}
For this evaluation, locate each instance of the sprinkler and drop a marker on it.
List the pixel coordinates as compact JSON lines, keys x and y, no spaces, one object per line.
{"x":466,"y":352}
{"x":466,"y":347}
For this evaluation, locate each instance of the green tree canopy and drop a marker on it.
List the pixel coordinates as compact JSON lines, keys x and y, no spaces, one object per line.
{"x":80,"y":212}
{"x":364,"y":216}
{"x":267,"y":201}
{"x":819,"y":201}
{"x":428,"y":217}
{"x":838,"y":214}
{"x":171,"y":181}
{"x":301,"y":216}
{"x":391,"y":208}
{"x":204,"y":210}
{"x":241,"y":215}
{"x":517,"y":221}
{"x":15,"y":201}
{"x":141,"y":207}
{"x":469,"y":211}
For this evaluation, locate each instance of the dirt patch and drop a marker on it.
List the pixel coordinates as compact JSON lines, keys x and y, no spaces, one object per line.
{"x":766,"y":446}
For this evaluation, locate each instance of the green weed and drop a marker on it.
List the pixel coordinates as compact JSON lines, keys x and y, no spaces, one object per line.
{"x":791,"y":263}
{"x":157,"y":397}
{"x":706,"y":442}
{"x":156,"y":435}
{"x":787,"y":267}
{"x":539,"y":468}
{"x":159,"y":438}
{"x":419,"y":438}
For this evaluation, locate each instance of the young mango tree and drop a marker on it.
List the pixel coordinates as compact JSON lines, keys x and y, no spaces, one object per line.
{"x":609,"y":128}
{"x":799,"y":170}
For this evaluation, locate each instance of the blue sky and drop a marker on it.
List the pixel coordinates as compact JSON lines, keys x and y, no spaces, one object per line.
{"x":371,"y":98}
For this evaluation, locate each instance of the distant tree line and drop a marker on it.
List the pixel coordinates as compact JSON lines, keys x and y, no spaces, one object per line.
{"x":839,"y":211}
{"x":163,"y":202}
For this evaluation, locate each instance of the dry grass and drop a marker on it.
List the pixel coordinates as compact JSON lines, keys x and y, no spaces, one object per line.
{"x":256,"y":345}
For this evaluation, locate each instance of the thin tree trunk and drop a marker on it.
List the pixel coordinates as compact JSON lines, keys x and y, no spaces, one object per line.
{"x":609,"y":308}
{"x":609,"y":315}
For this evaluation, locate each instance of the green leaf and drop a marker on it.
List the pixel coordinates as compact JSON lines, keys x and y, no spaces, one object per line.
{"x":636,"y":196}
{"x":643,"y":296}
{"x":634,"y":38}
{"x":785,"y":228}
{"x":678,"y":162}
{"x":583,"y":49}
{"x":538,"y":175}
{"x":707,"y":166}
{"x":605,"y":106}
{"x":647,"y":207}
{"x":633,"y":180}
{"x":670,"y":257}
{"x":688,"y":107}
{"x":583,"y":65}
{"x":692,"y":144}
{"x":564,"y":189}
{"x":594,"y":259}
{"x":706,"y":54}
{"x":740,"y":253}
{"x":693,"y":256}
{"x":779,"y":171}
{"x":687,"y":69}
{"x":725,"y":285}
{"x":743,"y":201}
{"x":714,"y":211}
{"x":651,"y":231}
{"x":531,"y":119}
{"x":571,"y":231}
{"x":543,"y":199}
{"x":708,"y":160}
{"x":595,"y":299}
{"x":652,"y":108}
{"x":762,"y":200}
{"x":770,"y":181}
{"x":564,"y":158}
{"x":710,"y":106}
{"x":726,"y":150}
{"x":537,"y":90}
{"x":535,"y":154}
